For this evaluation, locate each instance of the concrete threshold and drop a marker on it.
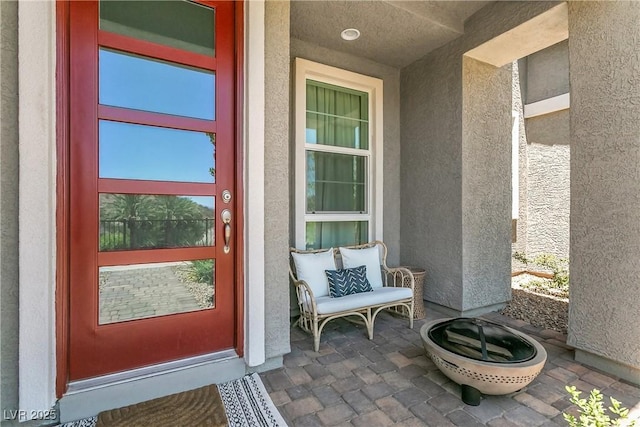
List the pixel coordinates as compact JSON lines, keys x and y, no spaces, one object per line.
{"x":87,"y":398}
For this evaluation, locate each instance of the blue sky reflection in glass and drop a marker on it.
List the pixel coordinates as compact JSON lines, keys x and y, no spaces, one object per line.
{"x":129,"y":151}
{"x":147,"y":84}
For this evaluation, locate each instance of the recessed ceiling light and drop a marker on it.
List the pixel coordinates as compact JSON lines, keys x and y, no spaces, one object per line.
{"x":350,"y":34}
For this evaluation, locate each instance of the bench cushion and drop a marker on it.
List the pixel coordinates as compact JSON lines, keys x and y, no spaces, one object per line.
{"x":311,"y":268}
{"x":384,"y":295}
{"x":370,"y":257}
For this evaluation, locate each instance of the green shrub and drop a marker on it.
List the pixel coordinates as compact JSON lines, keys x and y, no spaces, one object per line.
{"x":201,"y":271}
{"x":592,"y":412}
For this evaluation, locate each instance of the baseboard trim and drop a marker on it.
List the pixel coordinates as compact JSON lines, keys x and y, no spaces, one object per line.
{"x":268,"y":365}
{"x":452,"y":312}
{"x":626,"y":372}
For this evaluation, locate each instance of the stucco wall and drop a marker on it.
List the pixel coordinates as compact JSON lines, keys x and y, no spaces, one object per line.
{"x":605,"y":182}
{"x":548,"y":192}
{"x":391,"y":105}
{"x":9,"y":205}
{"x":276,"y":178}
{"x":431,"y":184}
{"x":486,"y":184}
{"x":547,"y":73}
{"x":433,"y":172}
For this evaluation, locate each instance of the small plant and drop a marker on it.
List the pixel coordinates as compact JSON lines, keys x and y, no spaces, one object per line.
{"x":201,"y":271}
{"x":592,"y":412}
{"x":558,"y":266}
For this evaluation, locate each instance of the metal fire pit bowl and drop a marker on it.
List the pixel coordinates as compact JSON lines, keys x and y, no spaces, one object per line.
{"x":482,"y":356}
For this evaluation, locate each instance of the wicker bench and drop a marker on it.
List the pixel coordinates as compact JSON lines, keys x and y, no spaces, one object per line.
{"x":393,"y":289}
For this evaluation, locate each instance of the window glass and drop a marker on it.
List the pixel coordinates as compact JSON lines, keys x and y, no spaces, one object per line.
{"x":179,"y":24}
{"x":321,"y":235}
{"x":129,"y":151}
{"x":142,"y":83}
{"x":146,"y":221}
{"x":129,"y":292}
{"x":336,"y":116}
{"x":335,"y":182}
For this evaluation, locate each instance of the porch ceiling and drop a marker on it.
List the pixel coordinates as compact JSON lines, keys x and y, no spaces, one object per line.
{"x":393,"y":32}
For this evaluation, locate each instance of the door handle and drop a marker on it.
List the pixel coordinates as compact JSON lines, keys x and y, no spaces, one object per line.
{"x":226,"y":221}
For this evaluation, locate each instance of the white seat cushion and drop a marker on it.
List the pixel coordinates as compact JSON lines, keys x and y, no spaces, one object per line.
{"x":370,"y":257}
{"x":311,"y":267}
{"x":384,"y":295}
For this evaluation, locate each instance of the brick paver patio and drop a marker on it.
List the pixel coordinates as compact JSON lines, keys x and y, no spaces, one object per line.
{"x":352,"y":381}
{"x":136,"y":293}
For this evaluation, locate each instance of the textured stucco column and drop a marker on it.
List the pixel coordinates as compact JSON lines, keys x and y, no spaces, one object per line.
{"x":431,"y":129}
{"x":486,"y":185}
{"x":446,"y":218}
{"x":9,"y":204}
{"x":604,"y":57}
{"x":276,"y":181}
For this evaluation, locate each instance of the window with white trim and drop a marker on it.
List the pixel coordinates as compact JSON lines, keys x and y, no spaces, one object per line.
{"x":338,"y":156}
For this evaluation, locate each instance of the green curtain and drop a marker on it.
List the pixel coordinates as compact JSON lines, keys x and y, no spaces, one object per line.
{"x":333,"y":234}
{"x":336,"y":182}
{"x":337,"y":116}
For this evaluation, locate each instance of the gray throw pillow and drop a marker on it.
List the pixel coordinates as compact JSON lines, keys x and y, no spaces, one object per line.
{"x":348,"y":281}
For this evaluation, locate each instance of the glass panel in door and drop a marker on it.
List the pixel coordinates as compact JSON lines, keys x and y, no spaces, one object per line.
{"x":143,"y":83}
{"x":139,"y":291}
{"x":148,"y":221}
{"x":132,"y":151}
{"x":180,"y":24}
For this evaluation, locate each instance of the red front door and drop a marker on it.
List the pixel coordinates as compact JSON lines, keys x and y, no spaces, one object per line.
{"x":152,"y":183}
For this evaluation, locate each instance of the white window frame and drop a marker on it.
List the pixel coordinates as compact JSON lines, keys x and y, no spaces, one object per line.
{"x":307,"y":70}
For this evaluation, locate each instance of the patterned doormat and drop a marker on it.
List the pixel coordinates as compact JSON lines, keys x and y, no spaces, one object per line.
{"x":239,"y":403}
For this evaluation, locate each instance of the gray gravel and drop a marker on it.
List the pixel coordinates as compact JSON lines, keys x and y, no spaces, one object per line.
{"x":539,"y":310}
{"x":202,"y":292}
